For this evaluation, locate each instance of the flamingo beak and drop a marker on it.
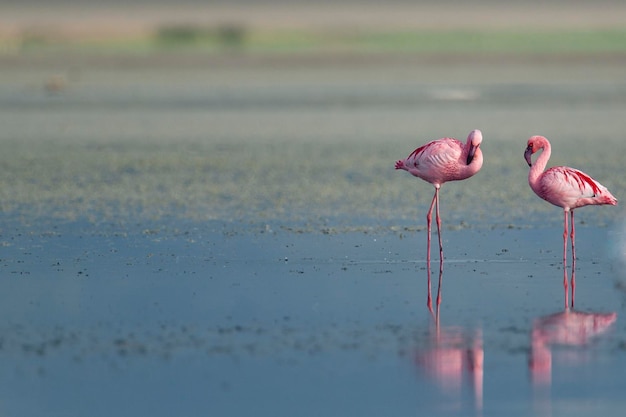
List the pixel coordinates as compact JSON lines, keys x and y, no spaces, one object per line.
{"x":471,"y":153}
{"x":527,"y":154}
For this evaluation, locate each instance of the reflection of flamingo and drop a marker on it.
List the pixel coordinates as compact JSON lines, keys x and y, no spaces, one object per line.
{"x":452,"y":352}
{"x":571,"y":328}
{"x":440,"y":161}
{"x":564,"y":187}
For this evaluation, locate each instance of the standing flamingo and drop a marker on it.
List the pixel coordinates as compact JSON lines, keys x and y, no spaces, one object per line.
{"x":440,"y":161}
{"x":564,"y":187}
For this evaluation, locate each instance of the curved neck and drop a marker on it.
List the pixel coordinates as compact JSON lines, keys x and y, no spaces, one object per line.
{"x":540,"y":164}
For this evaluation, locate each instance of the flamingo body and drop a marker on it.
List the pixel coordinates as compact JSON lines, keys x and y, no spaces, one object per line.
{"x":445,"y":159}
{"x":570,"y":188}
{"x":440,"y":161}
{"x":563,"y":187}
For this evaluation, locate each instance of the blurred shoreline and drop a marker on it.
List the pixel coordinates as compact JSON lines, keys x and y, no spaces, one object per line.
{"x":351,"y":29}
{"x":86,"y":18}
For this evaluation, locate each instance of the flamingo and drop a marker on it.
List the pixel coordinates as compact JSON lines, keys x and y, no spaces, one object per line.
{"x":443,"y":160}
{"x":564,"y":187}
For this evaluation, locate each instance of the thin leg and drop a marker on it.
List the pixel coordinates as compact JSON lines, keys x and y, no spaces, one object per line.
{"x":565,"y":289}
{"x":429,"y":222}
{"x":439,"y":285}
{"x":573,"y":238}
{"x":429,"y":300}
{"x":573,"y":284}
{"x":439,"y":294}
{"x":565,"y":257}
{"x":439,"y":226}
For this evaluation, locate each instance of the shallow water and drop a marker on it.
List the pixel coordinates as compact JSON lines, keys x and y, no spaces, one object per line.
{"x":192,"y":242}
{"x":197,"y":320}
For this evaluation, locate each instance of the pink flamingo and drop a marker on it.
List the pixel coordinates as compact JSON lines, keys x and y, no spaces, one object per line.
{"x":564,"y":187}
{"x":440,"y":161}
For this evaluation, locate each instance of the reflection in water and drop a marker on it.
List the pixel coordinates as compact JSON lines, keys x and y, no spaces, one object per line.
{"x":567,"y":328}
{"x":573,"y":282}
{"x":453,"y":355}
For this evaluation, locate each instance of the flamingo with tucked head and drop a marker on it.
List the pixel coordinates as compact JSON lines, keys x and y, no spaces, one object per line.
{"x":564,"y":187}
{"x":440,"y":161}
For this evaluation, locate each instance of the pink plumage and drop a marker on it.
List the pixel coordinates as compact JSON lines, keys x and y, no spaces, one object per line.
{"x":564,"y":187}
{"x":445,"y":159}
{"x":440,"y":161}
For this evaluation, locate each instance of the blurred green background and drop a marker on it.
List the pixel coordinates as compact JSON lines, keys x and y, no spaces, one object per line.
{"x":448,"y":26}
{"x":295,"y":111}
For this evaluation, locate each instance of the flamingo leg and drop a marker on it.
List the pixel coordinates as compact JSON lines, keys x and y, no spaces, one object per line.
{"x":429,"y":218}
{"x":429,"y":300}
{"x":429,"y":222}
{"x":573,"y":239}
{"x":573,"y":285}
{"x":438,"y":308}
{"x":439,"y":285}
{"x":565,"y":231}
{"x":439,"y":227}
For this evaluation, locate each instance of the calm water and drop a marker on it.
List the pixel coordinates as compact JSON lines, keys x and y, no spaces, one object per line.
{"x":198,"y":321}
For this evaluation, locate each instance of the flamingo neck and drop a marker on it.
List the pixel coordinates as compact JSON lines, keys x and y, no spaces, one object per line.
{"x":539,"y":165}
{"x":477,"y":161}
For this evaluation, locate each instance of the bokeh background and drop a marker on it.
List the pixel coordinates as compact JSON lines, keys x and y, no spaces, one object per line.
{"x":295,"y":111}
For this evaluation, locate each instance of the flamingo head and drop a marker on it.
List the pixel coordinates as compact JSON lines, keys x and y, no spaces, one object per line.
{"x":534,"y":144}
{"x":473,"y":140}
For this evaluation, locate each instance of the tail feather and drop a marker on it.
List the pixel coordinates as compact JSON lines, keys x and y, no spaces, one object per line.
{"x":400,"y":164}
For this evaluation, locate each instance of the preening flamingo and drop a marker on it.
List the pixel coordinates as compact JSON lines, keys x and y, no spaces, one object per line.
{"x":440,"y":161}
{"x":564,"y":187}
